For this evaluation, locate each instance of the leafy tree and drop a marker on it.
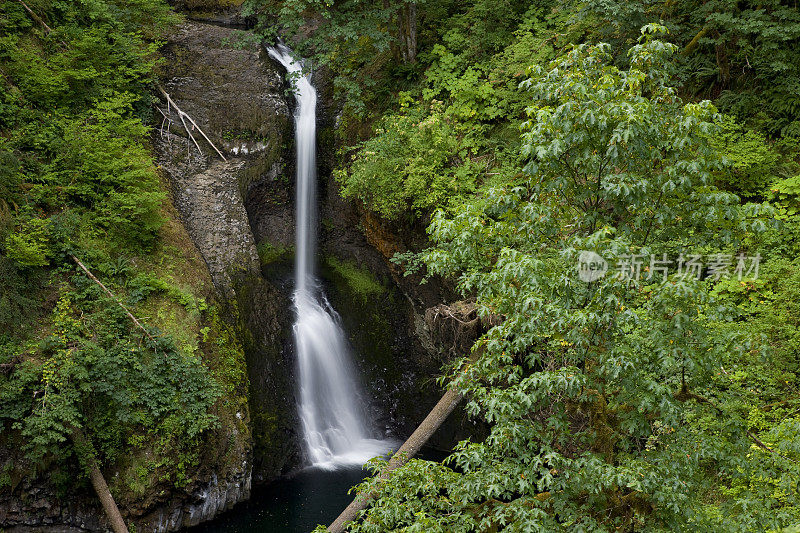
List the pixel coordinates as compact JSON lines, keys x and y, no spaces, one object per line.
{"x":753,"y":163}
{"x":74,"y":100}
{"x":600,"y":395}
{"x":744,"y":54}
{"x":408,"y":167}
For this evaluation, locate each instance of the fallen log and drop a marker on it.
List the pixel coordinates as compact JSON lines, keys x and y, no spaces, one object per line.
{"x":408,"y":450}
{"x":100,"y":283}
{"x":86,"y":455}
{"x":36,"y":17}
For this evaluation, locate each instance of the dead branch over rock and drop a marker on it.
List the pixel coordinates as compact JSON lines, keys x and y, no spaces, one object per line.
{"x":183,"y":116}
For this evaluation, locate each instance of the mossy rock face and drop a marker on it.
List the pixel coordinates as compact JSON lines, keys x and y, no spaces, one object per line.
{"x":159,"y":484}
{"x":224,"y":79}
{"x":397,"y":374}
{"x":361,"y":283}
{"x":398,"y":370}
{"x":266,"y":318}
{"x":270,"y":254}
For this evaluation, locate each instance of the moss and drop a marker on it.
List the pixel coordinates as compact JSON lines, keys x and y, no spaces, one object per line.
{"x":359,"y":280}
{"x":265,"y":330}
{"x":265,"y":427}
{"x":268,"y":253}
{"x":368,"y":310}
{"x":226,"y":358}
{"x":235,"y":134}
{"x":174,"y":293}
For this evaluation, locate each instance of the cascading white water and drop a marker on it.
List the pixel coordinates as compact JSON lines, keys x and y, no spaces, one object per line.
{"x":334,"y":428}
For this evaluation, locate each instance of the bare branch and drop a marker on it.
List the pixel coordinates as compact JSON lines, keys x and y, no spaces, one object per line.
{"x":35,"y":17}
{"x":184,"y":117}
{"x":127,"y":311}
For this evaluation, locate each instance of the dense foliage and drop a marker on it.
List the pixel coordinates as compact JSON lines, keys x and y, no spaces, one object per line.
{"x":661,"y":396}
{"x":77,"y":180}
{"x":600,"y":395}
{"x":468,"y":106}
{"x":356,"y":39}
{"x":744,"y":54}
{"x":536,"y":137}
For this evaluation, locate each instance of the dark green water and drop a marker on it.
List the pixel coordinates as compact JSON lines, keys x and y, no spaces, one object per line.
{"x":294,"y":505}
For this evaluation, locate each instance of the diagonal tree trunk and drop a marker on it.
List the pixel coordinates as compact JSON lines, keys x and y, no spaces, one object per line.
{"x":36,"y":17}
{"x":695,"y":40}
{"x":86,"y":456}
{"x":409,"y":449}
{"x":100,"y":283}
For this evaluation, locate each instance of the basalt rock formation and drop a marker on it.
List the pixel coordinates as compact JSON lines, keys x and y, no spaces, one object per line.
{"x":237,"y":96}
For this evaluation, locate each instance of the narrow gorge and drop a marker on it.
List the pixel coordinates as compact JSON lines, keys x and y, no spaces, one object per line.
{"x":535,"y":263}
{"x":307,"y":401}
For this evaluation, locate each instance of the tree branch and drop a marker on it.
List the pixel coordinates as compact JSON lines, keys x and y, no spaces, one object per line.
{"x":695,"y":40}
{"x":685,"y":394}
{"x":36,"y":17}
{"x":127,"y":311}
{"x":87,"y":457}
{"x":184,"y":116}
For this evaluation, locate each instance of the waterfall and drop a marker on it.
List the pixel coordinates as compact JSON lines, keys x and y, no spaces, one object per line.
{"x":334,"y":429}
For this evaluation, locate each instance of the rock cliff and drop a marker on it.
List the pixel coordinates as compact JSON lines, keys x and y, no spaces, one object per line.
{"x":238,"y":98}
{"x":224,"y":80}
